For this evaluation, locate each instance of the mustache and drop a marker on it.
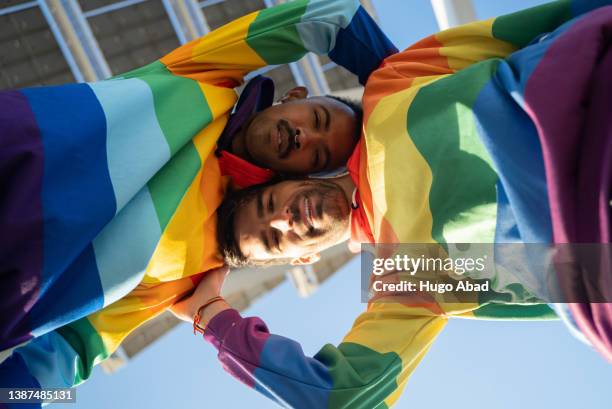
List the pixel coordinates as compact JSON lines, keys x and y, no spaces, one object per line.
{"x":327,"y":193}
{"x":284,"y":125}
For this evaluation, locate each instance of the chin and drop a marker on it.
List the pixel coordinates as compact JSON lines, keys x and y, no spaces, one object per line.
{"x":339,"y":211}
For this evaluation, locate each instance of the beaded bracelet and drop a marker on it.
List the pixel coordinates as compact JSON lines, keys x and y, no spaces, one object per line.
{"x":198,"y":316}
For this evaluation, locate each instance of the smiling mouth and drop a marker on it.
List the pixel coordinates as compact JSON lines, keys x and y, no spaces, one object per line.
{"x":309,"y":214}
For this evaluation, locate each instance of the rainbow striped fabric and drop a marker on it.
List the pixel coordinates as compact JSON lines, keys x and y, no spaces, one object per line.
{"x":109,"y":189}
{"x":468,"y":136}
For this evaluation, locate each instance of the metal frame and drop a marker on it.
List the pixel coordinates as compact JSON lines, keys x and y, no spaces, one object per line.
{"x":196,"y":17}
{"x":308,"y":71}
{"x":451,"y":13}
{"x":112,"y":7}
{"x":174,"y":20}
{"x":18,"y":7}
{"x":76,"y":71}
{"x":55,"y":30}
{"x":187,"y":19}
{"x":207,"y":3}
{"x":319,"y":73}
{"x":178,"y":28}
{"x":88,"y":41}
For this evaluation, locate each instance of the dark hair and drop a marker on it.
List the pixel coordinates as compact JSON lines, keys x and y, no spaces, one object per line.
{"x":356,"y":108}
{"x":228,"y":246}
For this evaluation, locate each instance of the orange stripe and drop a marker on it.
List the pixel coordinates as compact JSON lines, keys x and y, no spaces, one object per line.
{"x":398,"y":71}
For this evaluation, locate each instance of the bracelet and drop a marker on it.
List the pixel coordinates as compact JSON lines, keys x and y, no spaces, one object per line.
{"x":198,"y":316}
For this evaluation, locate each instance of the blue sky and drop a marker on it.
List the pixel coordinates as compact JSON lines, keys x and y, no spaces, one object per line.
{"x":472,"y":365}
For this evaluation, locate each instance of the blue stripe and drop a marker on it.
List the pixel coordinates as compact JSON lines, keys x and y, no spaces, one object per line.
{"x":584,"y":6}
{"x":51,"y":360}
{"x":362,"y":46}
{"x":74,"y":294}
{"x":524,"y":62}
{"x":136,"y":146}
{"x":512,"y":141}
{"x":78,"y":198}
{"x":126,"y":245}
{"x":14,"y":372}
{"x":278,"y":355}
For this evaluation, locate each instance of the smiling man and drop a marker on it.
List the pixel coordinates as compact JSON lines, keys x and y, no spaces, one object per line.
{"x":290,"y":221}
{"x":300,"y":135}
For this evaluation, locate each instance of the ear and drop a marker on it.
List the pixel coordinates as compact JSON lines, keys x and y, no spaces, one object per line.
{"x":308,"y":259}
{"x":294,"y":94}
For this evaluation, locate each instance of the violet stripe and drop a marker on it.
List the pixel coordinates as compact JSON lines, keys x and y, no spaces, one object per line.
{"x":21,"y":216}
{"x":248,"y":347}
{"x":594,"y":220}
{"x":557,"y":89}
{"x":577,"y":155}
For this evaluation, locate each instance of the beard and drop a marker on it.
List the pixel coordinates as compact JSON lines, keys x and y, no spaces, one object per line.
{"x":330,"y":208}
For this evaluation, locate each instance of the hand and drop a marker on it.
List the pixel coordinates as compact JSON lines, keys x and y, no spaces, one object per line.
{"x":209,"y":287}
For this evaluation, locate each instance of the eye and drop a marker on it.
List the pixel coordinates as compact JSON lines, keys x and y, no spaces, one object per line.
{"x":315,"y":159}
{"x":317,"y":119}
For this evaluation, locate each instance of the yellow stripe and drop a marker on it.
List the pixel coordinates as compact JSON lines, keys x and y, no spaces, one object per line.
{"x":398,"y":173}
{"x":188,"y":244}
{"x":470,"y":43}
{"x":220,"y":100}
{"x":116,"y":321}
{"x":226,"y":47}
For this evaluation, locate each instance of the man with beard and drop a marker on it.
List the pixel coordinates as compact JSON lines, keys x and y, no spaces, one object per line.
{"x":493,"y":132}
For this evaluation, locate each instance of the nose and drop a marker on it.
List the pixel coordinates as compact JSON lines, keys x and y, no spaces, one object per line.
{"x":282,"y":221}
{"x":306,"y":137}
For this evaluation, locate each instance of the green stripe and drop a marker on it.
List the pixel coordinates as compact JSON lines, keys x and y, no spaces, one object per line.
{"x":169,"y":185}
{"x":180,"y":106}
{"x":515,"y":312}
{"x":443,"y":128}
{"x":522,"y":27}
{"x":356,"y":363}
{"x":278,"y":25}
{"x":154,"y":67}
{"x":87,"y":343}
{"x":182,"y":112}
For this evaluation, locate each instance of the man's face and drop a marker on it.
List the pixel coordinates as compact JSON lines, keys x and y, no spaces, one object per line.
{"x":302,"y":136}
{"x":292,"y":219}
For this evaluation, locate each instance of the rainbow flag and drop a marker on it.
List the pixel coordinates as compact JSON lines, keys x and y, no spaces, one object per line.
{"x":472,"y":135}
{"x":109,"y":189}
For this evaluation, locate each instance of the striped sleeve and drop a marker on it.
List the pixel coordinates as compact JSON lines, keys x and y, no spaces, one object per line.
{"x":284,"y":34}
{"x":369,"y":369}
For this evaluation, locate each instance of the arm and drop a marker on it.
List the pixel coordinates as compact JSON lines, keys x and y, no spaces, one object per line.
{"x":368,"y":369}
{"x":279,"y":35}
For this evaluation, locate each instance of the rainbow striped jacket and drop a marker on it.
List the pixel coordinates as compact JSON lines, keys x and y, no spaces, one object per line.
{"x":468,"y":138}
{"x":108,"y":217}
